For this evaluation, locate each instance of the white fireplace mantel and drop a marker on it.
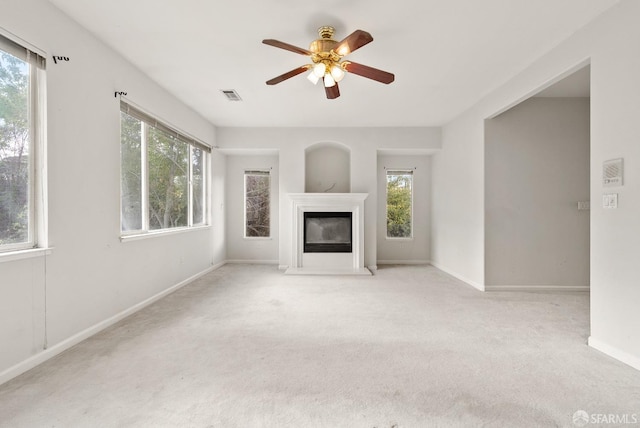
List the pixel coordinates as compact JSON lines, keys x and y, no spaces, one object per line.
{"x":327,"y":263}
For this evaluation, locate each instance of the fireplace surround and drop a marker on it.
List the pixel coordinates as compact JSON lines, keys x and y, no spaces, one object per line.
{"x":336,"y":206}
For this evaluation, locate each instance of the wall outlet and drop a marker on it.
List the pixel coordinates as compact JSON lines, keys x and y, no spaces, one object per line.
{"x":584,"y":205}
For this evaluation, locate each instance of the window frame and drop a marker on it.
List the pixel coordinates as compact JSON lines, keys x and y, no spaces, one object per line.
{"x":398,"y":171}
{"x":262,"y":172}
{"x":148,"y":120}
{"x":36,"y":200}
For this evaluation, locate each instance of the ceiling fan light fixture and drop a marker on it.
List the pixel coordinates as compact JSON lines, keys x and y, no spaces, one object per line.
{"x":319,"y":69}
{"x":328,"y":81}
{"x":337,"y":72}
{"x":326,"y":55}
{"x":313,"y":77}
{"x":343,"y":50}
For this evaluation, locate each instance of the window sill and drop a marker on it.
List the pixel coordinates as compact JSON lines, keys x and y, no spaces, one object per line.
{"x":10,"y":256}
{"x":399,"y":239}
{"x":158,"y":233}
{"x":257,"y":238}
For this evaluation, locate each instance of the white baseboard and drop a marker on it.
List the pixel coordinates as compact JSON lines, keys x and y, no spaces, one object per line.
{"x":216,"y":266}
{"x":253,"y":262}
{"x":56,"y":349}
{"x":474,"y":284}
{"x":403,"y":262}
{"x":614,"y":352}
{"x":283,"y":267}
{"x":552,"y":288}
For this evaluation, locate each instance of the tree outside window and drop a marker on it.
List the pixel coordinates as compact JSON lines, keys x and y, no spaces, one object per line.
{"x":257,"y":185}
{"x":162,"y":175}
{"x":16,"y":153}
{"x":399,"y":204}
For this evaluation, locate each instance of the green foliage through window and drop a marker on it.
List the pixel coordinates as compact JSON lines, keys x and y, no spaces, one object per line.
{"x":399,"y":204}
{"x":19,"y":108}
{"x":162,"y":176}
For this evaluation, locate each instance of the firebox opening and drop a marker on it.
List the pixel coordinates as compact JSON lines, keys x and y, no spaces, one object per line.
{"x":327,"y":232}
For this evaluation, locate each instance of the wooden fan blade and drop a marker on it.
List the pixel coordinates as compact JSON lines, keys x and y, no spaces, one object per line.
{"x":287,"y":75}
{"x":286,"y":46}
{"x":353,"y":41}
{"x":369,"y":72}
{"x":332,"y":92}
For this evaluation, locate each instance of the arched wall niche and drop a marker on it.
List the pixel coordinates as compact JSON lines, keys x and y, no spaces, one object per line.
{"x":327,"y":168}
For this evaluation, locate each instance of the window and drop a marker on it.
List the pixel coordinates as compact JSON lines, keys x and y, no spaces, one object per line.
{"x":257,"y":201}
{"x":162,"y":175}
{"x":399,"y":204}
{"x":21,"y":74}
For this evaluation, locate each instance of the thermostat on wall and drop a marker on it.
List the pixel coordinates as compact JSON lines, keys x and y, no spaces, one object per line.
{"x":612,"y":172}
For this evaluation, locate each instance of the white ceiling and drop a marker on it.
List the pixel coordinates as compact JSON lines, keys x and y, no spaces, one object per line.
{"x":445,"y":54}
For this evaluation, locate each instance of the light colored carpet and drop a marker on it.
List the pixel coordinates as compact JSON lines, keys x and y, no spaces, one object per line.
{"x":247,"y":346}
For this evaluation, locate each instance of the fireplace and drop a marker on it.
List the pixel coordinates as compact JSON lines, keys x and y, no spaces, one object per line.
{"x":327,"y":232}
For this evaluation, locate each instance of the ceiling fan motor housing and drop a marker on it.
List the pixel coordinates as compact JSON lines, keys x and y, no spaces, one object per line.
{"x":325,"y":43}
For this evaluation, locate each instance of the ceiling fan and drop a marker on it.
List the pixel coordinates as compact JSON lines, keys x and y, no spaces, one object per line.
{"x":326,"y":60}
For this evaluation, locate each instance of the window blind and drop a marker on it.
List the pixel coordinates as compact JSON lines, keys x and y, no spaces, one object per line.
{"x":152,"y":121}
{"x":399,"y":172}
{"x":21,"y":52}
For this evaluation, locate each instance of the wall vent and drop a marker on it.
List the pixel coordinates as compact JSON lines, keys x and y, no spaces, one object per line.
{"x":231,"y":95}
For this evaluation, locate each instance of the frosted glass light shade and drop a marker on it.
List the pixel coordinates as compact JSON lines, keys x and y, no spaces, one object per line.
{"x":319,"y":69}
{"x":328,"y":81}
{"x":337,"y":73}
{"x":313,"y":78}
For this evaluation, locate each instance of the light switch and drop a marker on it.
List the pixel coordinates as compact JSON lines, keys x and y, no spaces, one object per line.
{"x":610,"y":200}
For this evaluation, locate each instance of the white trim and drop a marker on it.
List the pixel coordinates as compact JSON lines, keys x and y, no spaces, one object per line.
{"x":474,"y":284}
{"x":283,"y":267}
{"x":10,"y":256}
{"x":51,"y":352}
{"x":253,"y":262}
{"x":403,"y":262}
{"x":216,"y":266}
{"x":325,"y":271}
{"x":614,"y":352}
{"x":162,"y":232}
{"x":553,"y":288}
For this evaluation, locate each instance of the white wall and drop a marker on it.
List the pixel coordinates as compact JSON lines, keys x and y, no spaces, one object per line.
{"x":327,"y":169}
{"x":239,"y":248}
{"x":90,"y":276}
{"x":536,"y":170}
{"x":610,"y":44}
{"x":363,"y":143}
{"x":417,"y":249}
{"x":457,"y":214}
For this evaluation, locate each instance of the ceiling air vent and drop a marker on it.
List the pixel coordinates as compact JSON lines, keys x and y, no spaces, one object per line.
{"x":231,"y":95}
